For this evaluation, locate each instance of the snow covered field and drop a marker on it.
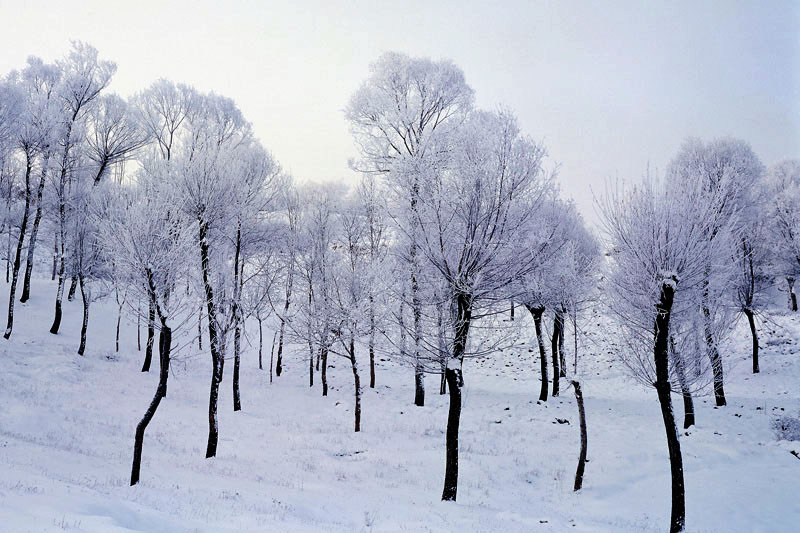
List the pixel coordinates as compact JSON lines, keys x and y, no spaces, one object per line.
{"x":291,"y":462}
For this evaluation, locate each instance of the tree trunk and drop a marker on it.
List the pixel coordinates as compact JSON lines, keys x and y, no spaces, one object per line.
{"x":85,"y":323}
{"x":442,"y":349}
{"x":311,"y":368}
{"x":371,"y":341}
{"x":324,"y":356}
{"x":289,"y":283}
{"x":200,"y":329}
{"x":73,"y":286}
{"x":139,"y":325}
{"x":455,"y":382}
{"x":754,"y":334}
{"x":716,"y":359}
{"x":356,"y":384}
{"x":512,"y":311}
{"x":148,"y":351}
{"x":8,"y":257}
{"x":792,"y":296}
{"x":119,"y":319}
{"x":536,"y":312}
{"x":55,"y":257}
{"x":26,"y":282}
{"x":584,"y":438}
{"x":554,"y":345}
{"x":165,"y":344}
{"x":419,"y":385}
{"x":688,"y":402}
{"x":416,"y":302}
{"x":561,"y":355}
{"x":237,"y":331}
{"x":20,"y":242}
{"x":662,"y":384}
{"x":271,"y":353}
{"x":216,"y":348}
{"x":260,"y":343}
{"x":575,"y":338}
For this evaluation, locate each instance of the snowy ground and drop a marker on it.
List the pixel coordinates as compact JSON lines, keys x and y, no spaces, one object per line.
{"x":290,"y":461}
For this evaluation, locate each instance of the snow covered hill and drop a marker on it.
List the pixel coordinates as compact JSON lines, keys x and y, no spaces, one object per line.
{"x":289,"y":461}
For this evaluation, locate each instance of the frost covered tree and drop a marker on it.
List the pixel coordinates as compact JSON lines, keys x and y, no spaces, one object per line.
{"x":728,"y":171}
{"x":783,"y":215}
{"x":396,"y":116}
{"x":661,"y":252}
{"x":473,"y":211}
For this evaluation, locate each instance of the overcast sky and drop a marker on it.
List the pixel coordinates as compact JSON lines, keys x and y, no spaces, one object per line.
{"x":609,"y":86}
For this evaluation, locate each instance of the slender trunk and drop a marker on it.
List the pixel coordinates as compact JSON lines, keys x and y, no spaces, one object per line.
{"x":561,"y":355}
{"x":584,"y":438}
{"x":287,"y":302}
{"x":20,"y":242}
{"x":754,"y":334}
{"x":455,"y":382}
{"x":8,"y":257}
{"x":688,"y":402}
{"x":165,"y":345}
{"x":512,"y":311}
{"x":792,"y":296}
{"x":356,"y":384}
{"x":139,"y":325}
{"x":216,"y":348}
{"x":148,"y":351}
{"x":575,"y":338}
{"x":55,"y":257}
{"x":26,"y":282}
{"x":536,"y":312}
{"x":662,"y":384}
{"x":260,"y":343}
{"x":371,"y":341}
{"x":73,"y":286}
{"x":237,"y":331}
{"x":271,"y":353}
{"x":200,"y":329}
{"x":311,"y":369}
{"x":319,"y":355}
{"x":416,"y":302}
{"x":716,"y":359}
{"x":324,"y":356}
{"x":85,"y":324}
{"x":62,"y":226}
{"x":442,"y":348}
{"x":119,"y":319}
{"x":554,"y":345}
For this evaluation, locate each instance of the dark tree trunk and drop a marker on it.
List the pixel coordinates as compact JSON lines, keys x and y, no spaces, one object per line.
{"x":73,"y":286}
{"x":688,"y":402}
{"x":200,"y":329}
{"x":148,"y":351}
{"x":716,"y":360}
{"x":311,"y":368}
{"x":512,"y":311}
{"x":371,"y":342}
{"x":536,"y":312}
{"x":62,"y":228}
{"x":237,"y":331}
{"x":575,"y":338}
{"x":584,"y":437}
{"x":260,"y":343}
{"x":554,"y":345}
{"x":324,"y":356}
{"x":419,"y":385}
{"x":561,"y":356}
{"x":26,"y":283}
{"x":662,"y":384}
{"x":165,"y":344}
{"x":139,"y":326}
{"x":442,"y":349}
{"x":287,"y":302}
{"x":754,"y":334}
{"x":272,"y":353}
{"x":20,"y":242}
{"x":455,"y":382}
{"x":119,"y":319}
{"x":356,"y":384}
{"x":8,"y":257}
{"x":217,"y":354}
{"x":443,"y":382}
{"x":55,"y":257}
{"x":792,"y":295}
{"x":85,"y":323}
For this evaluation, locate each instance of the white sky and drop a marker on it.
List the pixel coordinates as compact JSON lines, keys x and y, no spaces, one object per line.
{"x":609,"y":86}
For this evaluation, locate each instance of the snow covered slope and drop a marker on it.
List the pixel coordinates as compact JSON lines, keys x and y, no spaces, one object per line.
{"x":291,"y":462}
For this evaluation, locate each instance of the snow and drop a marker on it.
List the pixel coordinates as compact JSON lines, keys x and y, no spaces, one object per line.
{"x":290,"y":461}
